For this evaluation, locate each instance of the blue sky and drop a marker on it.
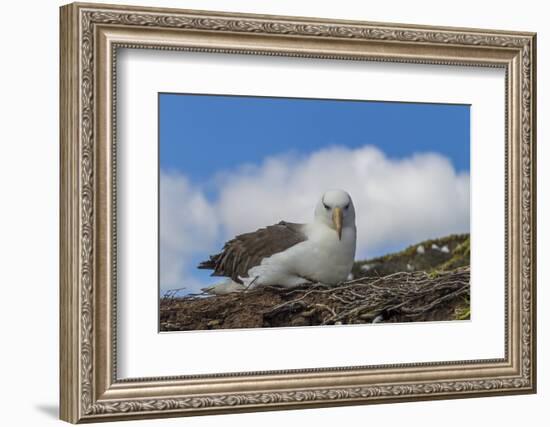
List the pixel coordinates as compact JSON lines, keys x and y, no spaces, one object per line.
{"x":202,"y":134}
{"x":203,"y":137}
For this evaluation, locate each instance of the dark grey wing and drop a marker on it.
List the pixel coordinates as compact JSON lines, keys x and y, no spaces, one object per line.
{"x":248,"y":250}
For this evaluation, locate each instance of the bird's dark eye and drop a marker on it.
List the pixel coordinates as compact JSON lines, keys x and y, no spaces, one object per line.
{"x":346,"y":207}
{"x":326,"y":206}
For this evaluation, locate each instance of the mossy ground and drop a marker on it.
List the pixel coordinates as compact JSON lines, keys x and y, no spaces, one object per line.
{"x":430,"y":259}
{"x":436,"y":259}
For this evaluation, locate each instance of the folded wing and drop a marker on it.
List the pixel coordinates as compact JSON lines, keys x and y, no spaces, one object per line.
{"x":248,"y":250}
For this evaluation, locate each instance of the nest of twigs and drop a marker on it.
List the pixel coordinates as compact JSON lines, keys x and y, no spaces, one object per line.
{"x":398,"y":297}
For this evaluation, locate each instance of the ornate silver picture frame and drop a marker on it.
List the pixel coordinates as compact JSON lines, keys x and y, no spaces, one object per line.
{"x":91,"y":37}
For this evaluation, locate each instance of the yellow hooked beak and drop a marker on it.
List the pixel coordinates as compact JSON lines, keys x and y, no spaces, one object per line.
{"x":337,"y":218}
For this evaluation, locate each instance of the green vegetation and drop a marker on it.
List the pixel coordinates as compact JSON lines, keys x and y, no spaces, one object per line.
{"x":460,"y":257}
{"x":431,"y":256}
{"x":462,"y":310}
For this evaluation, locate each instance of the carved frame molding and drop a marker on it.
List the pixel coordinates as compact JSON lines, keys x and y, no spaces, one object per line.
{"x":90,"y":36}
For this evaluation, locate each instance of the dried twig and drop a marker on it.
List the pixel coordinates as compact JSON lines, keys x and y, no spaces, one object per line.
{"x":402,"y":296}
{"x":407,"y":294}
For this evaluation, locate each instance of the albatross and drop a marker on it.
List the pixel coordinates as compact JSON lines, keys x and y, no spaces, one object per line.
{"x":288,"y":254}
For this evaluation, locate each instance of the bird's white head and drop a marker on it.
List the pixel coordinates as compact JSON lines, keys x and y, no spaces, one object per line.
{"x":336,"y":210}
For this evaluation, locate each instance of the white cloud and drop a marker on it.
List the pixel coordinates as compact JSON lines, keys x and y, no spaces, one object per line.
{"x":188,"y":227}
{"x":398,"y":201}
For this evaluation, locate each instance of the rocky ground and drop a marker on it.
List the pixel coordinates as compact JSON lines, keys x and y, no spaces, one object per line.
{"x":429,"y":281}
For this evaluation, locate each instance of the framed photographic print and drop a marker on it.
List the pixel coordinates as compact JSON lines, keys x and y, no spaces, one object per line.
{"x":266,"y":212}
{"x":292,"y":158}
